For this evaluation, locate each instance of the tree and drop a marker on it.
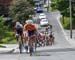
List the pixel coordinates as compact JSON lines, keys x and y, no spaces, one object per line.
{"x":20,"y":10}
{"x":3,"y":10}
{"x":2,"y":27}
{"x":31,"y":2}
{"x":63,"y":7}
{"x":54,"y":3}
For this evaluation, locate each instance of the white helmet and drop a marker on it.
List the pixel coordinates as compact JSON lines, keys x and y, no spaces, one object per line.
{"x":29,"y":22}
{"x":17,"y":23}
{"x":48,"y":26}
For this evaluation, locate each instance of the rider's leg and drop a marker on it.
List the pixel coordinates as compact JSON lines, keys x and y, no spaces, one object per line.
{"x":22,"y":36}
{"x":26,"y":44}
{"x":32,"y":40}
{"x":17,"y":36}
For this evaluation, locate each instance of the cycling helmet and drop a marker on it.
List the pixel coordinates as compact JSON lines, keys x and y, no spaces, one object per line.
{"x":48,"y":27}
{"x":29,"y":22}
{"x":17,"y":23}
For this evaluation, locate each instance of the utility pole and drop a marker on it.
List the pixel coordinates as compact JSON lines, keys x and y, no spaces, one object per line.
{"x":48,"y":6}
{"x":70,"y":6}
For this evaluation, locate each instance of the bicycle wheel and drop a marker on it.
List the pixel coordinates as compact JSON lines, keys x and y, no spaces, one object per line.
{"x":31,"y":47}
{"x":35,"y":46}
{"x":20,"y":47}
{"x":31,"y":51}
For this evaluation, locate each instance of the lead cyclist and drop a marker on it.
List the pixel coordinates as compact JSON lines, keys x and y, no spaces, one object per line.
{"x":32,"y":33}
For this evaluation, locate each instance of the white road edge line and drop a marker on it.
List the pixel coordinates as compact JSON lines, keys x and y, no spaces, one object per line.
{"x":65,"y":34}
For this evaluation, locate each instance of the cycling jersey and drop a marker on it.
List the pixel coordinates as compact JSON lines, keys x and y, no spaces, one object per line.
{"x":30,"y":27}
{"x":19,"y":29}
{"x":18,"y":26}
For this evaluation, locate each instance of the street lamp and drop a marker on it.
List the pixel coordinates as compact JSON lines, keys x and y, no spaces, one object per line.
{"x":70,"y":6}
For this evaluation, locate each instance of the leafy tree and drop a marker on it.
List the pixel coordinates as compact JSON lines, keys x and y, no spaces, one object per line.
{"x":6,"y":35}
{"x":63,"y":7}
{"x":3,"y":10}
{"x":2,"y":27}
{"x":20,"y":10}
{"x":54,"y":3}
{"x":1,"y":24}
{"x":31,"y":2}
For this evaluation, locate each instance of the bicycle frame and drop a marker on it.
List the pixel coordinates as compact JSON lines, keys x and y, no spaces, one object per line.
{"x":32,"y":44}
{"x":20,"y":42}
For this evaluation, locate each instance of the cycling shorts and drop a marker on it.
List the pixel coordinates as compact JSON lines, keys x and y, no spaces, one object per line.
{"x":31,"y":33}
{"x":19,"y":31}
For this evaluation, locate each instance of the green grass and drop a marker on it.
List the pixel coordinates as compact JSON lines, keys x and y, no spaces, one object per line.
{"x":66,"y":24}
{"x":2,"y":46}
{"x":8,"y":38}
{"x":6,"y":35}
{"x":53,"y":9}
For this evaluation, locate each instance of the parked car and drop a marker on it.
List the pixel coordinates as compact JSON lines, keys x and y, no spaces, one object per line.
{"x":42,"y":16}
{"x":43,"y":22}
{"x":39,"y":10}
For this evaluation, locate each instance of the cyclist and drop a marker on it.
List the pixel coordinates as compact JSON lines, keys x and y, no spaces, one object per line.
{"x":50,"y":35}
{"x":19,"y":32}
{"x":51,"y":39}
{"x":19,"y":29}
{"x":31,"y":30}
{"x":49,"y":29}
{"x":41,"y":38}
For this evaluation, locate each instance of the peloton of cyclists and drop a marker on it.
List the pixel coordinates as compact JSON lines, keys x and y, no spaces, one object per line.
{"x":28,"y":30}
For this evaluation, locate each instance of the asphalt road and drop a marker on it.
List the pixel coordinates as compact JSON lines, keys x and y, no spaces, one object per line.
{"x":40,"y":56}
{"x":60,"y":39}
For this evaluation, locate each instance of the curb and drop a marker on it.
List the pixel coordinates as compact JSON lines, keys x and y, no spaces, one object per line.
{"x":41,"y":49}
{"x":7,"y":50}
{"x":65,"y":34}
{"x":57,"y":50}
{"x":58,"y":19}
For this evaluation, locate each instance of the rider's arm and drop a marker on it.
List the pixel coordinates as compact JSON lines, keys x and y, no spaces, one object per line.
{"x":35,"y":27}
{"x":36,"y":30}
{"x":24,"y":28}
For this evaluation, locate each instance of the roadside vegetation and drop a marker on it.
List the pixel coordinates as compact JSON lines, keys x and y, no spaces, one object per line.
{"x":6,"y":35}
{"x":2,"y":46}
{"x":19,"y":10}
{"x":66,"y":23}
{"x":63,"y":7}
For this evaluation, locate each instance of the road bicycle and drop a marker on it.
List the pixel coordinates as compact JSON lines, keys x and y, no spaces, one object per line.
{"x":32,"y":44}
{"x":20,"y":42}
